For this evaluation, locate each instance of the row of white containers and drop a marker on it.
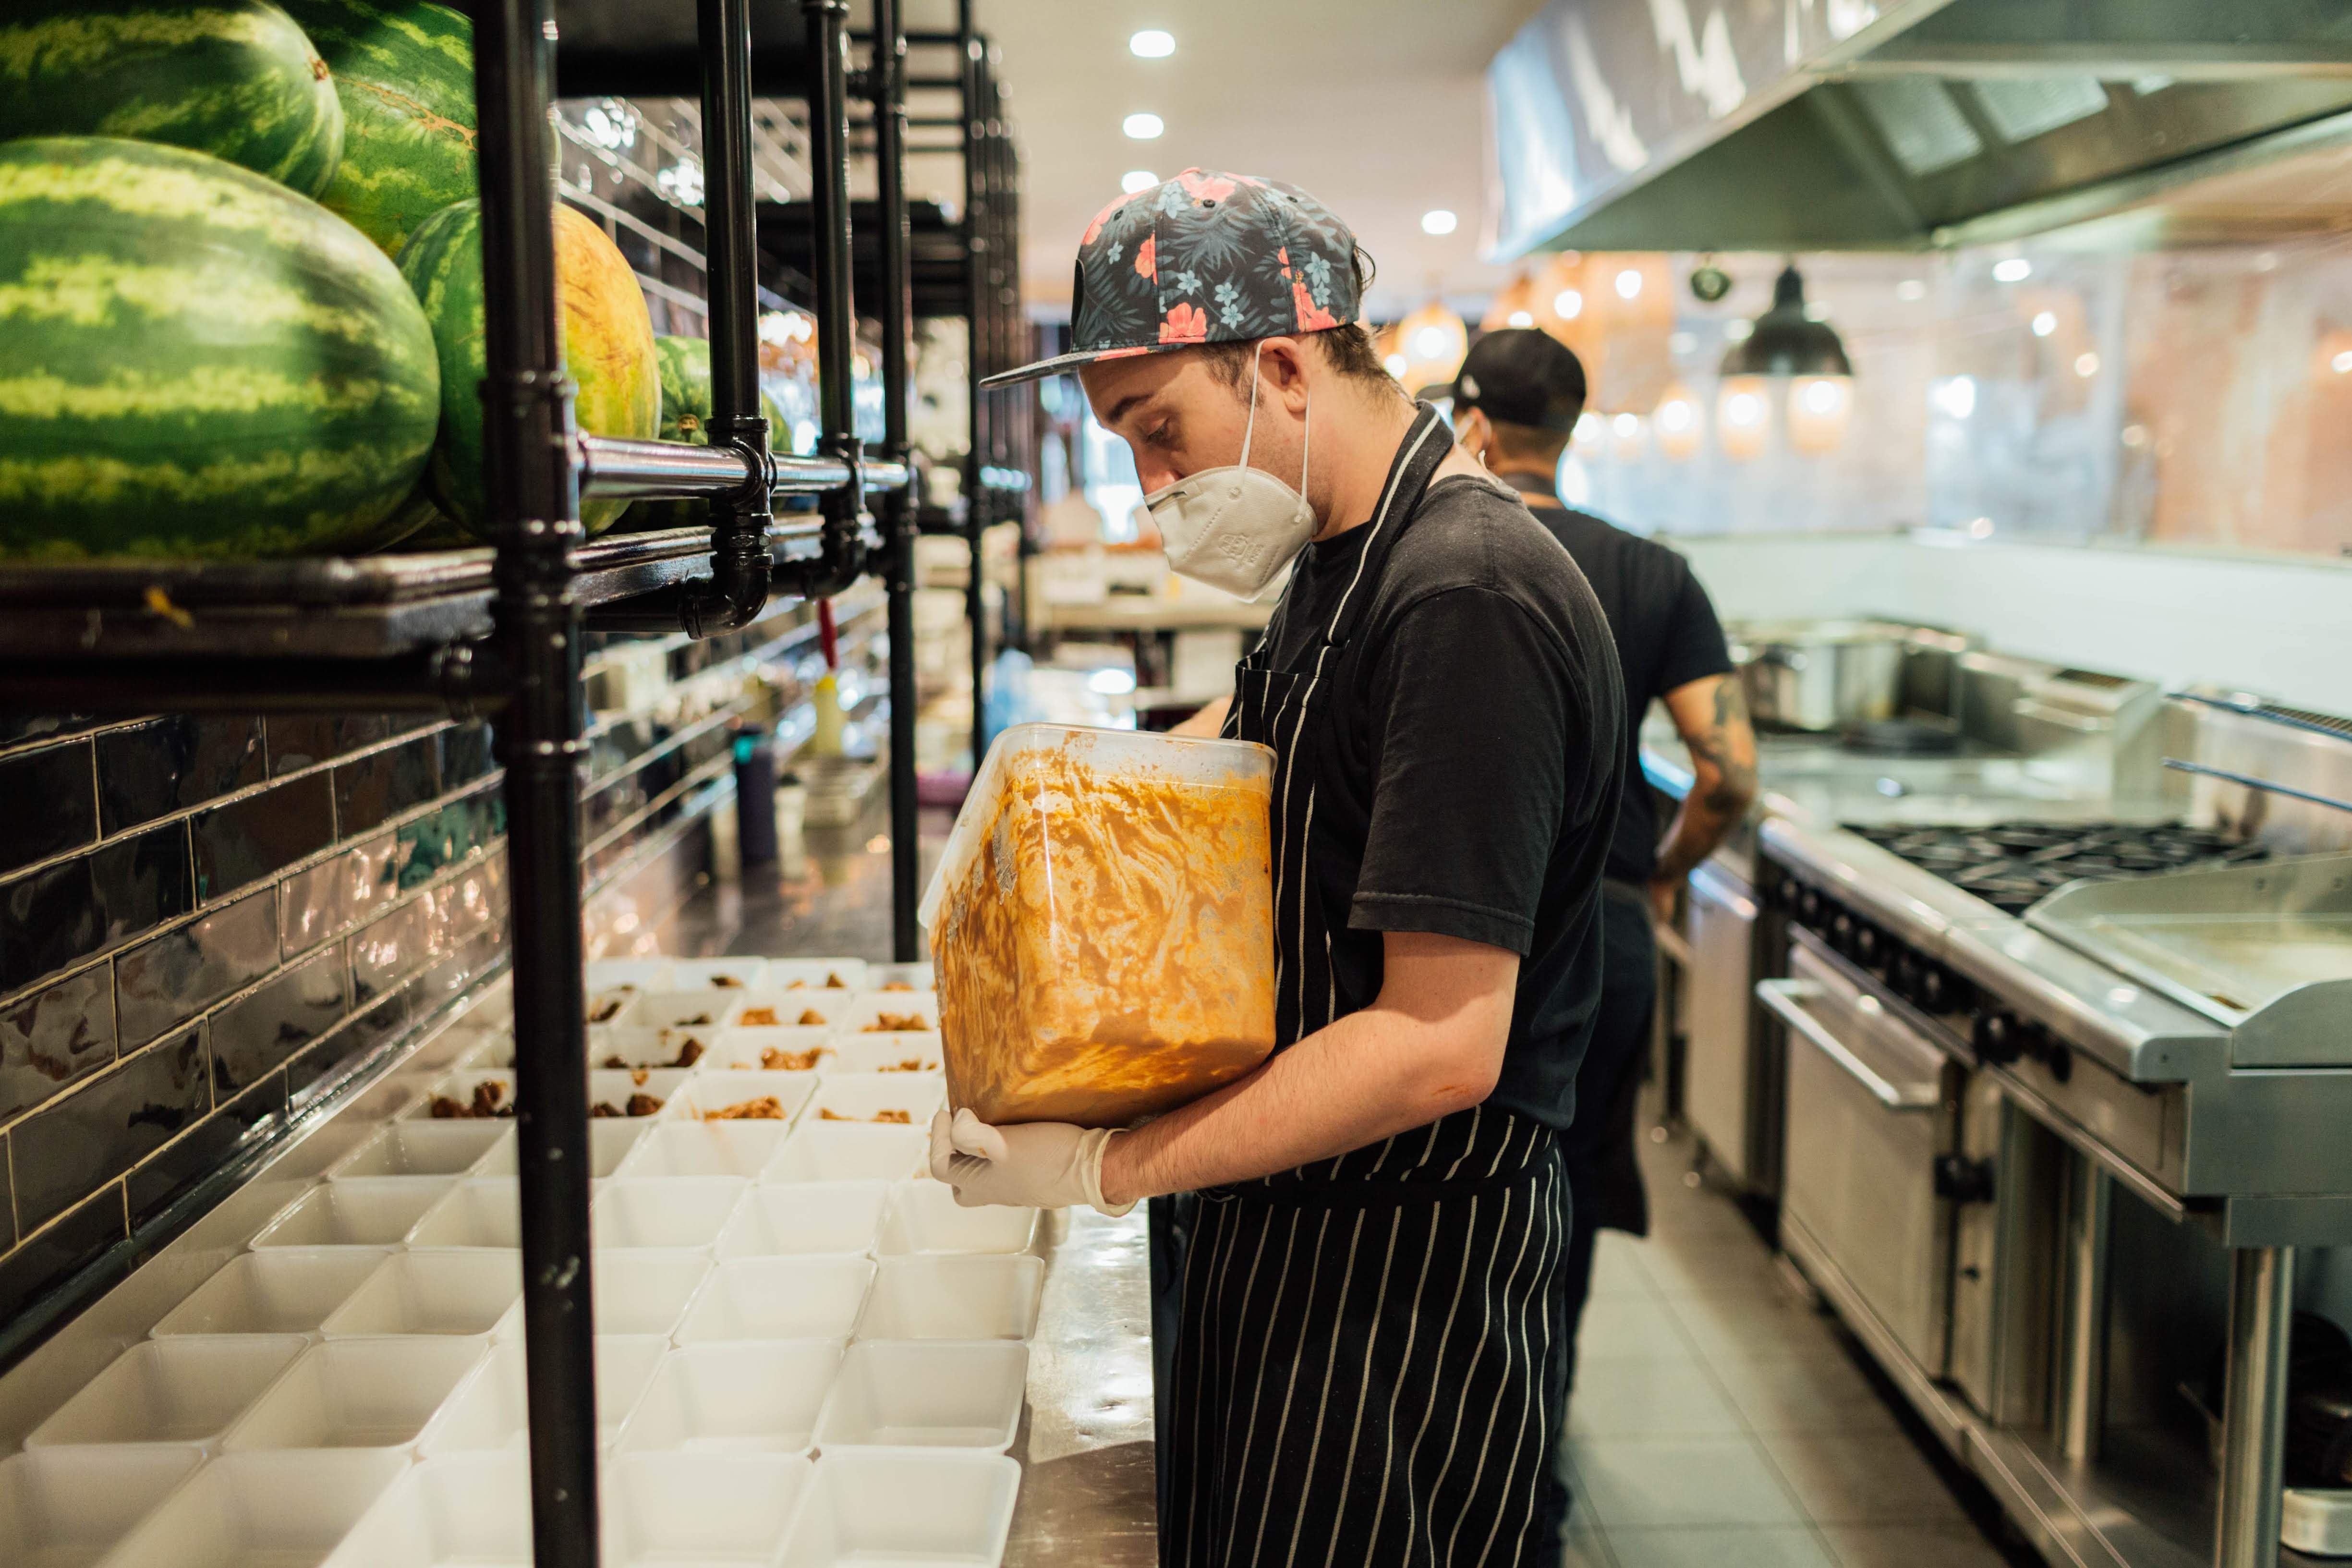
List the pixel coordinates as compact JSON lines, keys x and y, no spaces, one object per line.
{"x":350,"y":1391}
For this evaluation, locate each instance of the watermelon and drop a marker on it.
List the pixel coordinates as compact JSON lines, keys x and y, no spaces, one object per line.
{"x":236,"y":79}
{"x":685,"y":393}
{"x":195,"y":360}
{"x":608,"y":347}
{"x":405,"y":72}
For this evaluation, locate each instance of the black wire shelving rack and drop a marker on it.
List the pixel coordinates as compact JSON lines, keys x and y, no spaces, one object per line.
{"x":501,"y":631}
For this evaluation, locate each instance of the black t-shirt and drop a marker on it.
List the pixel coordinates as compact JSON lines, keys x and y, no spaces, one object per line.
{"x":1667,"y":635}
{"x":1479,"y":708}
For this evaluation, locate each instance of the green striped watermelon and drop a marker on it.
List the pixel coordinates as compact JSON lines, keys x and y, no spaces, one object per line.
{"x":686,"y":397}
{"x":236,"y":79}
{"x":608,"y":346}
{"x":405,"y":71}
{"x":196,"y":360}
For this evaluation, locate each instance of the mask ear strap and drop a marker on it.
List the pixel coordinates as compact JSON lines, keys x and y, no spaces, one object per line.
{"x":1306,"y":443}
{"x":1251,"y":428}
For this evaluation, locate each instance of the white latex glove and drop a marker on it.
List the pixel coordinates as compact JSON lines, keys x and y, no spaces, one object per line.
{"x":1033,"y":1165}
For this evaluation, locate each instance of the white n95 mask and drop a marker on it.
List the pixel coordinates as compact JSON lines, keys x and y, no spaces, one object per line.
{"x":1236,"y":526}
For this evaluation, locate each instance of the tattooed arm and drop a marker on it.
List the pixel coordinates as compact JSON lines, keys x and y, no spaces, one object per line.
{"x":1712,"y":716}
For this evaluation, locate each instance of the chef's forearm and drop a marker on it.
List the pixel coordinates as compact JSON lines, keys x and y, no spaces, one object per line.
{"x":1712,"y":717}
{"x":1432,"y":1047}
{"x":1208,"y":722}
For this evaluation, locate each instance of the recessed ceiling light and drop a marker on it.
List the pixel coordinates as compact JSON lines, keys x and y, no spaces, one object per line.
{"x":1151,"y":44}
{"x":1629,"y":284}
{"x":2342,"y":363}
{"x":1136,"y":180}
{"x":1527,"y":318}
{"x":1142,"y":127}
{"x":2045,"y":323}
{"x":1437,"y":220}
{"x":1567,"y":304}
{"x":2015,"y":269}
{"x":2087,"y":365}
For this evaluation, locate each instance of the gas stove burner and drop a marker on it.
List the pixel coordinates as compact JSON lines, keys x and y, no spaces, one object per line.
{"x":2015,"y":864}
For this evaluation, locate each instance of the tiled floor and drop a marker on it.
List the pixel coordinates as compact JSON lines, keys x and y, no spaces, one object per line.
{"x":1718,"y":1419}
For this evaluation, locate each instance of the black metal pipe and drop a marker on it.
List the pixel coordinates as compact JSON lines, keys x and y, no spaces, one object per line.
{"x":843,"y":557}
{"x":887,"y":78}
{"x":534,"y":510}
{"x":978,"y":362}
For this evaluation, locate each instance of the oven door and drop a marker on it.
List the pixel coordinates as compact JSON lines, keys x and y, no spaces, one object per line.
{"x":1869,"y":1109}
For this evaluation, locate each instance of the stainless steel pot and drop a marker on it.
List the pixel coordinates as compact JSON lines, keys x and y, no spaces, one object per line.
{"x":1821,"y":674}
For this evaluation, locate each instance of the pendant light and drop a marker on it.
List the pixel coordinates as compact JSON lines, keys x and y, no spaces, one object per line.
{"x":1786,"y":342}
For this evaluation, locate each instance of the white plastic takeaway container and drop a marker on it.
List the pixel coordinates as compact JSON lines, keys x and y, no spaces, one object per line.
{"x":474,"y":1509}
{"x":284,"y":1291}
{"x":747,"y":1398}
{"x":262,"y":1510}
{"x":953,"y":1298}
{"x":804,"y":1217}
{"x":926,"y":1394}
{"x":184,"y":1390}
{"x":865,"y":1506}
{"x":358,"y":1393}
{"x":64,"y":1508}
{"x":369,"y":1211}
{"x":457,"y":1293}
{"x":489,"y":1413}
{"x":421,"y":1149}
{"x":924,"y":1216}
{"x":669,"y":1509}
{"x":664,"y":1212}
{"x":739,"y":1148}
{"x":810,"y":1298}
{"x":822,"y":1151}
{"x":1102,"y":923}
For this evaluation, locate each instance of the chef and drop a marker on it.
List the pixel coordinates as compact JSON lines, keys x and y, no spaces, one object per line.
{"x":1514,"y":404}
{"x":1367,"y":1364}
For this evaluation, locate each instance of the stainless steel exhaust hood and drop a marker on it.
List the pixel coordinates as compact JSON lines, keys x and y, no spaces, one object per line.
{"x":1901,"y":124}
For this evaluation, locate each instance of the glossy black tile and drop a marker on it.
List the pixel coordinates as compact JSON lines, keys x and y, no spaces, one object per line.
{"x":49,"y":802}
{"x":467,"y":752}
{"x":395,"y":946}
{"x":301,"y":740}
{"x":161,"y":984}
{"x":55,"y":1038}
{"x":53,"y":918}
{"x":166,"y":764}
{"x":251,"y":1119}
{"x":321,"y":1066}
{"x":254,"y":1035}
{"x":331,"y":897}
{"x":41,"y":1263}
{"x":26,"y":729}
{"x":246,"y":839}
{"x":379,"y":786}
{"x":76,"y":1144}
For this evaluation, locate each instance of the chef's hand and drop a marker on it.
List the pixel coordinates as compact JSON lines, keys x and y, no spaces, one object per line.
{"x":1663,"y":894}
{"x":1035,"y":1164}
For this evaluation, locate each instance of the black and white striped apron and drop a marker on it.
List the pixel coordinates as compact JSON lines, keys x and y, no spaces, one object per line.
{"x":1364,"y":1371}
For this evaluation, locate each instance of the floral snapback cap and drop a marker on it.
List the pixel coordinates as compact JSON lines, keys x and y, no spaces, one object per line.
{"x":1204,"y":258}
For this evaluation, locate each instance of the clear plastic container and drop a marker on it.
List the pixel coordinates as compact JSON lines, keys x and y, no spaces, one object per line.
{"x":751,"y":1398}
{"x":366,"y":1211}
{"x":785,"y":1050}
{"x":185,"y":1390}
{"x":889,"y":1053}
{"x":953,"y":1298}
{"x":923,"y":1217}
{"x":903,"y":1099}
{"x":816,"y":974}
{"x":489,"y":1412}
{"x":926,"y":1396}
{"x":420,"y":1149}
{"x":804,"y":1218}
{"x":463,"y":1294}
{"x":646,"y":1292}
{"x":924,"y":1510}
{"x":893,"y":1013}
{"x":474,"y":1511}
{"x":65,"y":1508}
{"x":847,"y":1152}
{"x":1103,"y":924}
{"x":700,"y":1509}
{"x":723,"y":1099}
{"x":781,"y":1298}
{"x":262,"y":1510}
{"x":670,"y":1212}
{"x":285,"y":1290}
{"x":705,"y":1149}
{"x":357,"y":1393}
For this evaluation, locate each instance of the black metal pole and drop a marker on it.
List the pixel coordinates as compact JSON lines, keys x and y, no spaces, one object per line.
{"x":978,"y":363}
{"x":889,"y":78}
{"x":534,"y":509}
{"x":834,"y":284}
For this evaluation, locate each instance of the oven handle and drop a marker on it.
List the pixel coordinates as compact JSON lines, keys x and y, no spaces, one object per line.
{"x":1786,"y":999}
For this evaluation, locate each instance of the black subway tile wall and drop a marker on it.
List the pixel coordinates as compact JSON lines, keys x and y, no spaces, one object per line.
{"x":207,"y":924}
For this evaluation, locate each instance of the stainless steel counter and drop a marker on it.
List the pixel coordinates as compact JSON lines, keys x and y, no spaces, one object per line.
{"x":1087,"y":1491}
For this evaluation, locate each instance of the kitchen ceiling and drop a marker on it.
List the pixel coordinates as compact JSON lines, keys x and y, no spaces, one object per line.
{"x":1375,"y":106}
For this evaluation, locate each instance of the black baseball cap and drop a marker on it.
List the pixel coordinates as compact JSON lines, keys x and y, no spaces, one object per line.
{"x":1205,"y":257}
{"x":1519,"y":376}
